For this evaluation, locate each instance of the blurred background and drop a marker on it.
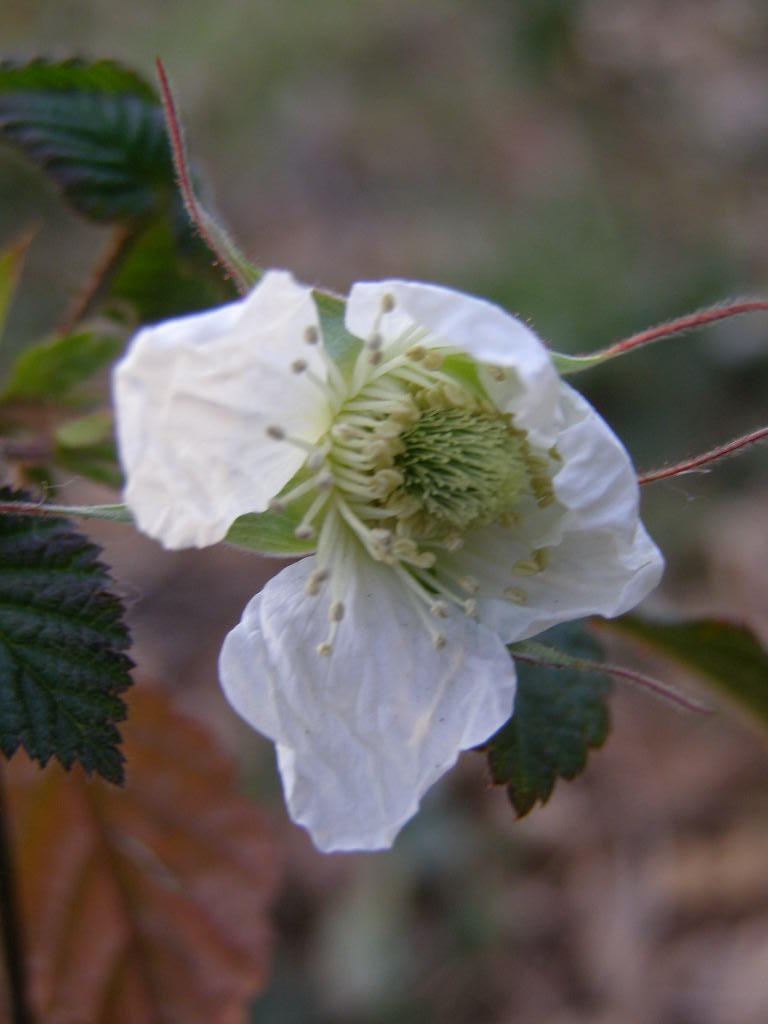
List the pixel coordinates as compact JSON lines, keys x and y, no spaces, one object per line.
{"x":595,"y":166}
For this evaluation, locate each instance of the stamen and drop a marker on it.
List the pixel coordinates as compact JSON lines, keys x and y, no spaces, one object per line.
{"x":316,"y":578}
{"x":275,"y":432}
{"x":387,"y":302}
{"x":516,"y":595}
{"x":525,"y":567}
{"x":299,"y":365}
{"x":311,"y":335}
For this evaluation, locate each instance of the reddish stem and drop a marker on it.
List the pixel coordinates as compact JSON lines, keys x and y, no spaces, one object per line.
{"x":685,"y":323}
{"x":702,"y":460}
{"x":179,"y":150}
{"x":659,"y":689}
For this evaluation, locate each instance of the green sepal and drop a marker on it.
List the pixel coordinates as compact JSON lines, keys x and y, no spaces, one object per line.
{"x":566,"y":365}
{"x":341,"y":346}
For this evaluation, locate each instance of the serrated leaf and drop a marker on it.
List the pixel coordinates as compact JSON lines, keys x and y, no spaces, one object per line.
{"x":11,"y":261}
{"x":727,"y":654}
{"x":62,"y":666}
{"x":52,"y":369}
{"x":96,"y":129}
{"x":560,"y":714}
{"x":148,"y":903}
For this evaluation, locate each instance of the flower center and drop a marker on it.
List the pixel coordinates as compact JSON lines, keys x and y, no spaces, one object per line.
{"x":465,"y":466}
{"x":416,"y":457}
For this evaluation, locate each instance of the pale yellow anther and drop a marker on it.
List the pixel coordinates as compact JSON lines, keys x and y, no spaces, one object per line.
{"x":438,"y":641}
{"x":304,"y":531}
{"x":336,"y":611}
{"x":498,"y":373}
{"x":469,"y":583}
{"x":536,"y":464}
{"x":275,"y":505}
{"x":470,"y":608}
{"x":416,"y":352}
{"x":299,"y":365}
{"x":311,"y":336}
{"x":525,"y":567}
{"x":453,"y":542}
{"x":433,"y":359}
{"x":555,"y":454}
{"x":387,"y":302}
{"x":516,"y":595}
{"x":324,"y":649}
{"x":439,"y":609}
{"x":426,"y":559}
{"x":541,"y":558}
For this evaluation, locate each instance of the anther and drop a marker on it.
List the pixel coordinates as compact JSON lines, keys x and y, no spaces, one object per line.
{"x":438,"y":641}
{"x":525,"y":567}
{"x":375,"y":342}
{"x":275,"y":432}
{"x":516,"y":595}
{"x":299,"y":365}
{"x":469,"y":583}
{"x":433,"y":360}
{"x":324,"y":481}
{"x":304,"y":531}
{"x":336,"y":611}
{"x":324,"y":649}
{"x":416,"y":352}
{"x":498,"y":373}
{"x":275,"y":505}
{"x":387,"y":303}
{"x":311,"y":336}
{"x":315,"y":460}
{"x":541,"y":558}
{"x":470,"y":608}
{"x":439,"y":609}
{"x":315,"y":580}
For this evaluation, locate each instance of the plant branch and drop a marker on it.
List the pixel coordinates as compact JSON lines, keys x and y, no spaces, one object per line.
{"x":101,"y":277}
{"x":13,"y":951}
{"x":702,"y":460}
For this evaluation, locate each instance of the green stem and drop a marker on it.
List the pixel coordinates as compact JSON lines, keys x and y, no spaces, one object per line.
{"x":10,"y":925}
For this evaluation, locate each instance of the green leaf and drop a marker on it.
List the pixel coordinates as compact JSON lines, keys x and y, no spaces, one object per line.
{"x":167,"y":273}
{"x":62,"y":665}
{"x":560,"y":713}
{"x":96,"y":129}
{"x":11,"y":260}
{"x":51,"y":369}
{"x":726,"y":654}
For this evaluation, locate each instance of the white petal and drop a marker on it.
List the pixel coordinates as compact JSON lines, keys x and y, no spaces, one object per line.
{"x":363,"y":733}
{"x":485,"y":331}
{"x":193,"y":397}
{"x":601,"y":561}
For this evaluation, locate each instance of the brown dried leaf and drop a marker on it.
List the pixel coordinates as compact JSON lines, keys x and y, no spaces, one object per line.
{"x":142,"y":905}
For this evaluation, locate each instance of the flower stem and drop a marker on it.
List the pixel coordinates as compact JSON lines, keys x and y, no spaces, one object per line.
{"x":680,"y":325}
{"x":10,"y":925}
{"x":646,"y":682}
{"x":218,"y":241}
{"x":702,"y":460}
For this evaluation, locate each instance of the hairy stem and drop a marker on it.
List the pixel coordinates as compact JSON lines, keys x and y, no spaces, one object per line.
{"x":690,"y":322}
{"x":702,"y":460}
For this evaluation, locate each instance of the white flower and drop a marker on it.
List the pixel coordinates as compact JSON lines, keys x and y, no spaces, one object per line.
{"x":460,"y":495}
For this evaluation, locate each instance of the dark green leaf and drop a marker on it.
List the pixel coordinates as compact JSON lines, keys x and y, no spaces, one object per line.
{"x":560,"y":713}
{"x":52,"y":369}
{"x":97,"y":130}
{"x":62,"y":665}
{"x":167,"y":273}
{"x":727,"y":654}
